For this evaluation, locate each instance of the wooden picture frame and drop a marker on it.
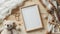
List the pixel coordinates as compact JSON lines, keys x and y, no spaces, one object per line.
{"x":32,"y":17}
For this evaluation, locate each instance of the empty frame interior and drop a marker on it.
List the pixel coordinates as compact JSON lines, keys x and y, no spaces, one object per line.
{"x":32,"y":18}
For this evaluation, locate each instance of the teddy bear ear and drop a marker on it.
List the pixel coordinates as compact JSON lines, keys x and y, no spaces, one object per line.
{"x":13,"y":22}
{"x":4,"y":21}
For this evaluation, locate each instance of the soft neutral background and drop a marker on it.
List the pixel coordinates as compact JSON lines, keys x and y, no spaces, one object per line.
{"x":43,"y":13}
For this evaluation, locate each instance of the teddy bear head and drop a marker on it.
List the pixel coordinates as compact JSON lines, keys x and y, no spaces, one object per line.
{"x":9,"y":24}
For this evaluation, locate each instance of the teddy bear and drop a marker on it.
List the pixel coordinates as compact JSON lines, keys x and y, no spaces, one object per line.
{"x":9,"y":27}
